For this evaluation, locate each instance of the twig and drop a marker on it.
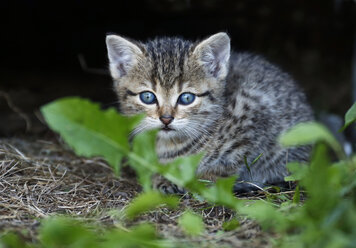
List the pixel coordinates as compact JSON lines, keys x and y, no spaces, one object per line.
{"x":84,"y":66}
{"x":17,"y":110}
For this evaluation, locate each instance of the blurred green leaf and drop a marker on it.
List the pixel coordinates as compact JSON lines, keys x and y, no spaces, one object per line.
{"x":60,"y":232}
{"x":148,"y":201}
{"x":267,"y":215}
{"x":12,"y":240}
{"x":141,"y":236}
{"x":182,"y":172}
{"x":310,"y":133}
{"x":144,"y":147}
{"x":231,"y":225}
{"x":296,"y":196}
{"x":322,"y":184}
{"x":64,"y":232}
{"x":297,"y":170}
{"x":222,"y":193}
{"x":350,"y":117}
{"x":89,"y":130}
{"x":143,"y":158}
{"x":192,"y":224}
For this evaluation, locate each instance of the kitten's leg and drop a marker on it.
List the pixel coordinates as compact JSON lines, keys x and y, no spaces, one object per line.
{"x":241,"y":187}
{"x":249,"y":187}
{"x":166,"y":187}
{"x":250,"y":179}
{"x":257,"y":177}
{"x":270,"y":172}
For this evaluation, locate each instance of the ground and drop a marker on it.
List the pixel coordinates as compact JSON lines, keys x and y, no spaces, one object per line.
{"x":41,"y":178}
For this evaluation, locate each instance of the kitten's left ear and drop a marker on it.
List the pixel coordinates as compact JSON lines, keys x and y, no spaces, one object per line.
{"x":213,"y":54}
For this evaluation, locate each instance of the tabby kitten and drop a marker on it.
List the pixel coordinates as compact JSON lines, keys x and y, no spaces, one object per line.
{"x":203,"y":97}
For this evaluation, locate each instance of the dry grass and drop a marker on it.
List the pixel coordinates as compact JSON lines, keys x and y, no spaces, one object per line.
{"x":40,"y":178}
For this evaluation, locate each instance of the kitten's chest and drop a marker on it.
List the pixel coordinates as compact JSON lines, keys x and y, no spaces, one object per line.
{"x":170,"y":148}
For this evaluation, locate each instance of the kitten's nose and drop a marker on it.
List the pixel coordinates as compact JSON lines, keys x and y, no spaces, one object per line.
{"x":166,"y":119}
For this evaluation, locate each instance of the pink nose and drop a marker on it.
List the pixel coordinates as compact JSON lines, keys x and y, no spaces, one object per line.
{"x":166,"y":119}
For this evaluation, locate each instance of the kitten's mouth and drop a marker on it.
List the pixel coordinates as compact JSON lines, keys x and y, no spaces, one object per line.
{"x":167,"y":129}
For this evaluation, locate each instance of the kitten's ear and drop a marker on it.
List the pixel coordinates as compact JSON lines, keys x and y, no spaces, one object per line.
{"x":213,"y":54}
{"x":122,"y":55}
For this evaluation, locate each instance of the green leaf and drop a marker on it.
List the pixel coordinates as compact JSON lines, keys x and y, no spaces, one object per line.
{"x":310,"y":133}
{"x":64,"y":232}
{"x":322,"y":199}
{"x":256,"y":159}
{"x":182,"y":171}
{"x":59,"y":232}
{"x":141,"y":236}
{"x":350,"y":117}
{"x":296,"y":196}
{"x":144,"y":160}
{"x":12,"y":240}
{"x":149,"y":201}
{"x":231,"y":225}
{"x":298,"y":171}
{"x":266,"y":215}
{"x":89,"y":130}
{"x":144,"y":147}
{"x":252,"y":163}
{"x":247,"y":165}
{"x":222,"y":193}
{"x":191,"y":223}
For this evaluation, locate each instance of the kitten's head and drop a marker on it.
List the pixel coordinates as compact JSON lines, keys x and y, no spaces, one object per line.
{"x":178,"y":84}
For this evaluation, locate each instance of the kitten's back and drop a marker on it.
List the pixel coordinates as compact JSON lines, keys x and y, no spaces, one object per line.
{"x":262,"y":83}
{"x":261,"y":103}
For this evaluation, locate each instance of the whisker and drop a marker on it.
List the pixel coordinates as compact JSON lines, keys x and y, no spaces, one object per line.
{"x":145,"y":125}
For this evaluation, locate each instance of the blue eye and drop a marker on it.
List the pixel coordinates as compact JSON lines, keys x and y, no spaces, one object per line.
{"x":148,"y":97}
{"x":186,"y":98}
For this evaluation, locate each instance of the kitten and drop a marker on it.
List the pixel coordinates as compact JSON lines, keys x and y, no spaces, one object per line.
{"x":203,"y":97}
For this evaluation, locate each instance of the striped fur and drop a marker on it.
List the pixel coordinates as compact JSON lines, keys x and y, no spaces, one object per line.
{"x":243,"y":103}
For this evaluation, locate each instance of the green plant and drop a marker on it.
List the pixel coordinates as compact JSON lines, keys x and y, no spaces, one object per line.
{"x":325,"y":219}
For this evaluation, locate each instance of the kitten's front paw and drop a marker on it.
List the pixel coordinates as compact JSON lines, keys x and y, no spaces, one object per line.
{"x":167,"y":187}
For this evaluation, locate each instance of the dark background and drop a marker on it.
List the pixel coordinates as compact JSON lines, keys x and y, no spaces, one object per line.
{"x":312,"y":40}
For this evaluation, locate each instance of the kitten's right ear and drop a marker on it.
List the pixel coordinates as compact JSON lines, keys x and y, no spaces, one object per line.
{"x":213,"y":54}
{"x":122,"y":55}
